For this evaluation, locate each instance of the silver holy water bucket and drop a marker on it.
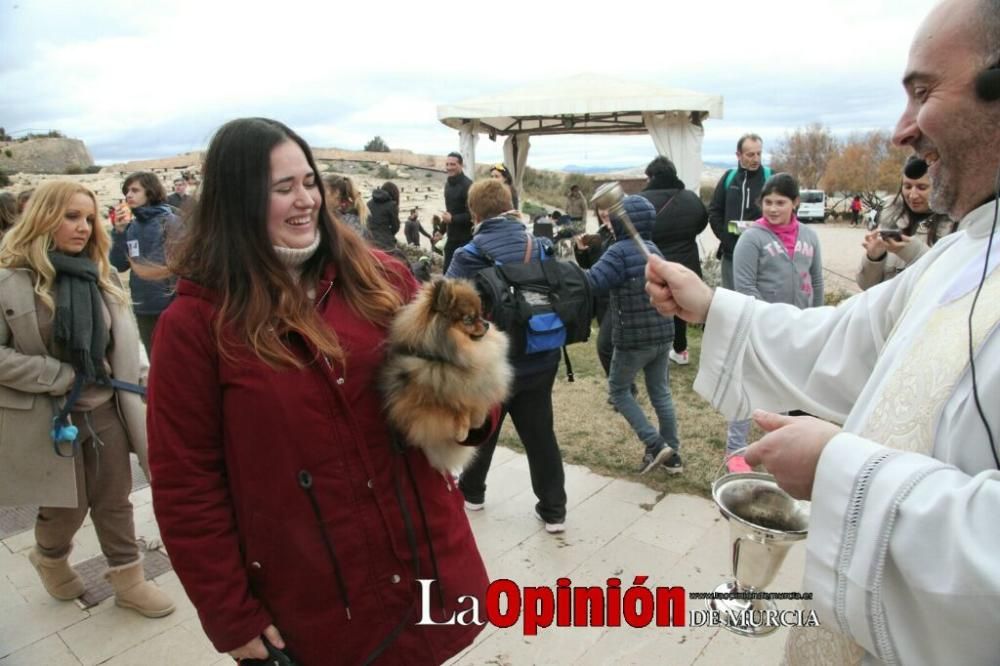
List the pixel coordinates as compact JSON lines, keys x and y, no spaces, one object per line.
{"x":609,"y":196}
{"x":764,"y":523}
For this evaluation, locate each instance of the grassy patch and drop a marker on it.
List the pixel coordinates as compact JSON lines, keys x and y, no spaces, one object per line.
{"x":592,"y":434}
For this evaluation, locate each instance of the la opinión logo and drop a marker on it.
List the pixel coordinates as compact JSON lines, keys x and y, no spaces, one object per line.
{"x":506,"y":604}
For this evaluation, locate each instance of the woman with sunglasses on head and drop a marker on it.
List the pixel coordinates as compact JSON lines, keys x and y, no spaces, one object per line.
{"x":290,"y":511}
{"x":67,"y":328}
{"x":500,"y":172}
{"x":905,"y":230}
{"x":342,"y":197}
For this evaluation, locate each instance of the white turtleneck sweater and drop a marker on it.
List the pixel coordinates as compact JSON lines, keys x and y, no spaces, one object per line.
{"x":293,"y":258}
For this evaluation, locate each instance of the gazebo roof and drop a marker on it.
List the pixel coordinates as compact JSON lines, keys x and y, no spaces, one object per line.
{"x":581,"y":104}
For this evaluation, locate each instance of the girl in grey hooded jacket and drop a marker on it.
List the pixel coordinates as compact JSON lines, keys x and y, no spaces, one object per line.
{"x":776,"y":260}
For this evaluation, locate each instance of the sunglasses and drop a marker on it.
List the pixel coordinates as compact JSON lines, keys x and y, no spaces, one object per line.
{"x":499,"y":167}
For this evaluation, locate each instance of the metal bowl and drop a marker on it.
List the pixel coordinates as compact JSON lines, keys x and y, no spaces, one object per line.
{"x":755,"y":500}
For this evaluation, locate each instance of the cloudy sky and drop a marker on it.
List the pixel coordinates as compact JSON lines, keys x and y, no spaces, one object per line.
{"x":139,"y":79}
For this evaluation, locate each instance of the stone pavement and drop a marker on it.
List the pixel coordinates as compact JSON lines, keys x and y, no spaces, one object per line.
{"x":615,"y":528}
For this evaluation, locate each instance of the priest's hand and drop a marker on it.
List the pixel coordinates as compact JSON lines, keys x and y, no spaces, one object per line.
{"x":791,"y":449}
{"x":675,"y":290}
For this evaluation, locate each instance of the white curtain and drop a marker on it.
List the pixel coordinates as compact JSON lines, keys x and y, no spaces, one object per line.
{"x":677,"y":138}
{"x":468,"y":135}
{"x":515,"y":156}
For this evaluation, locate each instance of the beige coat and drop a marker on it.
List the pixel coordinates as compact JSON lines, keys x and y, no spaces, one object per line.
{"x":33,"y":385}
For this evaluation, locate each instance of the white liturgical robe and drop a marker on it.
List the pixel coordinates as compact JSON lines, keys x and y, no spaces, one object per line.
{"x":903,"y":553}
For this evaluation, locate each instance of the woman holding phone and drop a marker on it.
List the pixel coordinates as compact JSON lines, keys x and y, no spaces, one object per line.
{"x":905,"y":230}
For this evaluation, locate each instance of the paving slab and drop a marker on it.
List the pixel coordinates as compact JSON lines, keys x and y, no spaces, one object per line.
{"x":615,"y":528}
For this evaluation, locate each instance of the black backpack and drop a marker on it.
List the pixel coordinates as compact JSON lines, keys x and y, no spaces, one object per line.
{"x":540,"y":305}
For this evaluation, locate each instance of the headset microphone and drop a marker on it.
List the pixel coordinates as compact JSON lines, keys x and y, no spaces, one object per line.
{"x":988,"y":84}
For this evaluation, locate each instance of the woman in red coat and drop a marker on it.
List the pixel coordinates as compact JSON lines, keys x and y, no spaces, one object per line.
{"x":285,"y":506}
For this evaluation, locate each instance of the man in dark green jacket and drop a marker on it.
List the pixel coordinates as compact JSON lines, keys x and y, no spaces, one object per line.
{"x":736,"y":200}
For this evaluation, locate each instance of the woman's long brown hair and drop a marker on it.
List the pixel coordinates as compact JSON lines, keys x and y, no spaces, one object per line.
{"x":226,"y":248}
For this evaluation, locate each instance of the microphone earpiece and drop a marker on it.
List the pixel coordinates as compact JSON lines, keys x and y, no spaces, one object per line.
{"x":988,"y":84}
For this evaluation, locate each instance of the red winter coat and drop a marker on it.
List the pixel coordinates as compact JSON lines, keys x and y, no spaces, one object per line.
{"x":228,"y":442}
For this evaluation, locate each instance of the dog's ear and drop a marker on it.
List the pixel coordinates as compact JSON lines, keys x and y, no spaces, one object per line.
{"x":442,"y":296}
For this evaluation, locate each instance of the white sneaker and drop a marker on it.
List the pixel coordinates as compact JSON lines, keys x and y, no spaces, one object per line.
{"x":472,"y":506}
{"x":679,"y":359}
{"x":552,"y":528}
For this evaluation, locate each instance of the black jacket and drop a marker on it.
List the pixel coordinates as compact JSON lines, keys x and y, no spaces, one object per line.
{"x":456,"y":202}
{"x":737,"y":202}
{"x":383,"y":220}
{"x":680,"y":217}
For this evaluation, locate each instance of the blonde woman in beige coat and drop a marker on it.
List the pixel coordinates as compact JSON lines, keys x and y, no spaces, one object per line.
{"x":64,"y":316}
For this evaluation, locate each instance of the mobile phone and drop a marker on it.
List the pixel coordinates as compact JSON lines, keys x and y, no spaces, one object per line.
{"x":275,"y":657}
{"x":891,"y":234}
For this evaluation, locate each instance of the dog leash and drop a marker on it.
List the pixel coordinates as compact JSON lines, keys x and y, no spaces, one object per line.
{"x":65,"y":432}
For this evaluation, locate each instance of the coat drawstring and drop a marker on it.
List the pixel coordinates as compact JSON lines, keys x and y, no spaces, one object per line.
{"x":306,"y":483}
{"x":427,"y":531}
{"x":95,"y":441}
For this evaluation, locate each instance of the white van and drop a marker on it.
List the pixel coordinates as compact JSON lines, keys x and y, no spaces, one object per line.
{"x":812,"y":206}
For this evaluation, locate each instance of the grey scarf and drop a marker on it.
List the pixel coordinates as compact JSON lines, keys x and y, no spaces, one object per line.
{"x":79,"y":326}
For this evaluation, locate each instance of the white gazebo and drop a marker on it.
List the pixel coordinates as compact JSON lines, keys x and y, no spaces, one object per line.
{"x":586,"y":104}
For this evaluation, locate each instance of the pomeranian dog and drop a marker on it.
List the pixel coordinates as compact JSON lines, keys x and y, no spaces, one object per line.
{"x":444,"y":371}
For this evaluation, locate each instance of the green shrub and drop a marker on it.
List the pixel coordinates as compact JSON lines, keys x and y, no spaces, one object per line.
{"x":706,"y":192}
{"x":4,"y":179}
{"x":73,"y":170}
{"x":835,"y":296}
{"x":711,"y":270}
{"x":532,"y":209}
{"x":584,"y":182}
{"x":386,"y":172}
{"x":377,"y":145}
{"x":8,"y":153}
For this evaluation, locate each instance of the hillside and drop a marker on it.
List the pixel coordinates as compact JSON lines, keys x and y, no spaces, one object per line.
{"x":45,"y":155}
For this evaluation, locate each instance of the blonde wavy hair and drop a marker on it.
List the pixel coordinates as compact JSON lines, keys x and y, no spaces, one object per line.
{"x":28,"y":243}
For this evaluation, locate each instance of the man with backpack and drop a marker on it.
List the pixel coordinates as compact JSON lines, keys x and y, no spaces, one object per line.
{"x":736,"y":200}
{"x":501,"y":240}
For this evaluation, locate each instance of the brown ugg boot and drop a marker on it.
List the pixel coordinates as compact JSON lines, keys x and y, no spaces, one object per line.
{"x":133,"y":591}
{"x":58,"y":577}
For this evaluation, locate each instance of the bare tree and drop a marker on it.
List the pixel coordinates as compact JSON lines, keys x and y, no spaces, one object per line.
{"x":805,"y":154}
{"x":866,"y":164}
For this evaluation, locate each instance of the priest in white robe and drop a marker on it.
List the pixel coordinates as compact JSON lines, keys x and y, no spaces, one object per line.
{"x":903,"y":553}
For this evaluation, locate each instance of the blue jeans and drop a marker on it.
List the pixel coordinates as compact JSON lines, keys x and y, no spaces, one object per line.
{"x":737,"y":435}
{"x":728,"y":279}
{"x":653,"y":361}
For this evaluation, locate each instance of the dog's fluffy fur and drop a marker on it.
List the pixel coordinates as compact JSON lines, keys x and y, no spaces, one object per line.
{"x":445,"y":369}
